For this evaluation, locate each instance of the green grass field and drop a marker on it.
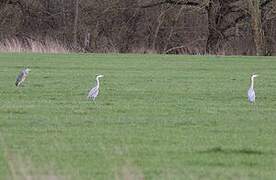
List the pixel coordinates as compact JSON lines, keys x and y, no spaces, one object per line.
{"x":157,"y":117}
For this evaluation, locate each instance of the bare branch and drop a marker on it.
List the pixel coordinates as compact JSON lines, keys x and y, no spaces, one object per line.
{"x":175,"y":2}
{"x":233,"y":24}
{"x":265,"y":3}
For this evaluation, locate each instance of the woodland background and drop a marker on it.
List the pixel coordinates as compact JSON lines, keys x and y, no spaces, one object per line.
{"x":226,"y":27}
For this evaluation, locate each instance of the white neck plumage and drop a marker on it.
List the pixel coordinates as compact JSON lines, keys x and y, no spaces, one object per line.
{"x":97,"y":82}
{"x":252,"y":82}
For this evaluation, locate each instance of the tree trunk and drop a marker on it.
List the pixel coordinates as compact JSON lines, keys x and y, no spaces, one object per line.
{"x":212,"y":42}
{"x":172,"y":29}
{"x":214,"y":35}
{"x":256,"y":25}
{"x":160,"y":20}
{"x":75,"y":28}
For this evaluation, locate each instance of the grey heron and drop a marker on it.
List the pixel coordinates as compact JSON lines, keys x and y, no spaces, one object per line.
{"x":93,"y":93}
{"x":22,"y":76}
{"x":251,"y":93}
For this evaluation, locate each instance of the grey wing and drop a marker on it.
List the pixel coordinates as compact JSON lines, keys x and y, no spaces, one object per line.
{"x":251,"y":95}
{"x":93,"y":93}
{"x":19,"y":78}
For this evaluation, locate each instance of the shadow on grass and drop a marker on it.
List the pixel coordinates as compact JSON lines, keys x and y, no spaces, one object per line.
{"x":13,"y":111}
{"x":235,"y":151}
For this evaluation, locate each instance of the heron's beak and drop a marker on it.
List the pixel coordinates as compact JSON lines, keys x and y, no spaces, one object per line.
{"x":99,"y":75}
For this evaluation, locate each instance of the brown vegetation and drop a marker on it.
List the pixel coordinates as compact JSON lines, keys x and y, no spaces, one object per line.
{"x":164,"y":26}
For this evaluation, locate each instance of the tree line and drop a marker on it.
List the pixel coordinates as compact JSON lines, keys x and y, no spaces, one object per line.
{"x":246,"y":27}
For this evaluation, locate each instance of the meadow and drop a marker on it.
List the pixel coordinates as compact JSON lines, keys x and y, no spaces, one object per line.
{"x":156,"y":117}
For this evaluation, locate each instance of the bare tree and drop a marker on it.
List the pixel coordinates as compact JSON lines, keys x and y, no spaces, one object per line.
{"x":170,"y":26}
{"x":256,"y":25}
{"x":75,"y":27}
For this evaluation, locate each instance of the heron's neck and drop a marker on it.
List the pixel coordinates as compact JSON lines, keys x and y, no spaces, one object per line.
{"x":252,"y":82}
{"x":97,"y":82}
